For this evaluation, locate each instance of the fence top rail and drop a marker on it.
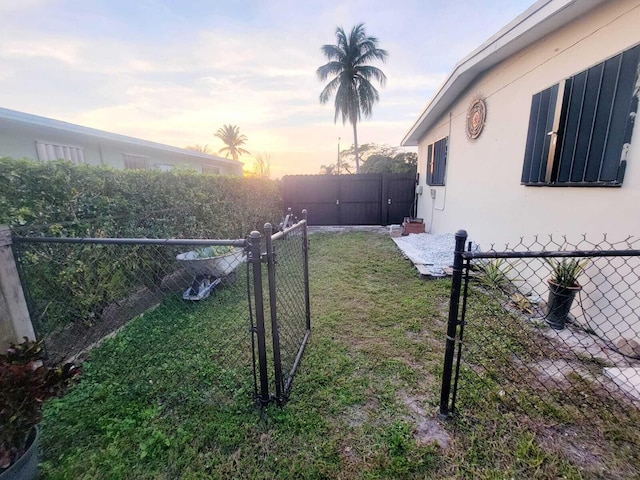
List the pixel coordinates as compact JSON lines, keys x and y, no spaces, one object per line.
{"x":279,"y":235}
{"x":133,"y":241}
{"x":551,"y":254}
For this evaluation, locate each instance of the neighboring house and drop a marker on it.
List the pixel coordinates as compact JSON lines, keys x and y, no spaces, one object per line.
{"x":23,"y":135}
{"x":533,"y":133}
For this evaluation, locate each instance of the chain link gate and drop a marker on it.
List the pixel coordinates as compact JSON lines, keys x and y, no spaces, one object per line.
{"x":288,"y":307}
{"x":80,"y":290}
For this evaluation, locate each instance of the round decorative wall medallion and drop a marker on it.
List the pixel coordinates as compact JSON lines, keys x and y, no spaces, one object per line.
{"x":476,"y":116}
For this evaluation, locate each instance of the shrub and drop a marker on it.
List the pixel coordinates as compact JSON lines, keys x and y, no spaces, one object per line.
{"x":62,"y":199}
{"x":24,"y":384}
{"x":76,"y":282}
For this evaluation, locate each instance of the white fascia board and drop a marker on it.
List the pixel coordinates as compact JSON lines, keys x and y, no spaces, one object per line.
{"x":539,"y":20}
{"x":27,"y":118}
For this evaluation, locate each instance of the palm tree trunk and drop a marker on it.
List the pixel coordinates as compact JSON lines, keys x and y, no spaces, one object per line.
{"x":355,"y":146}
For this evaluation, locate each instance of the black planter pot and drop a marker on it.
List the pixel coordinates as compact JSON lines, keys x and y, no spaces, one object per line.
{"x":559,"y":304}
{"x":26,"y":467}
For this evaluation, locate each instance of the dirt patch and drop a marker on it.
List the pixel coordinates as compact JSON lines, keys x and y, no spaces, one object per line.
{"x":429,"y":430}
{"x":358,"y":415}
{"x":576,"y":445}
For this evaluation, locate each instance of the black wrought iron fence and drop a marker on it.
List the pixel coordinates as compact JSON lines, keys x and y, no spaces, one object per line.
{"x":547,"y":325}
{"x":81,"y":290}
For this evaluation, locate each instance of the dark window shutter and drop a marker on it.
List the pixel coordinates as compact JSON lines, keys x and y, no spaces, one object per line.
{"x":594,"y":122}
{"x":543,"y":107}
{"x":437,"y":162}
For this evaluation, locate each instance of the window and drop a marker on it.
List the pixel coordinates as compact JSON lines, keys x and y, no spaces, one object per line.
{"x":211,"y":170}
{"x":437,"y":162}
{"x":164,"y":167}
{"x":135,"y":162}
{"x":48,"y":152}
{"x":580,"y":129}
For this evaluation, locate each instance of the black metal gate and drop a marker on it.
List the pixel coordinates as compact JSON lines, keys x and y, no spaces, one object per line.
{"x":286,"y":257}
{"x":368,"y":199}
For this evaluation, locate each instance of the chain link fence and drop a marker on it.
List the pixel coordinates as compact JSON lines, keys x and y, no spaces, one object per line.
{"x":289,"y":306}
{"x":515,"y":337}
{"x":80,"y":291}
{"x":254,"y":316}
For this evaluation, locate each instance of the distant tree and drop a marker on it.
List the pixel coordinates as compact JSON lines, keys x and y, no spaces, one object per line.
{"x":342,"y":167}
{"x":379,"y":159}
{"x":328,"y":169}
{"x":404,"y":162}
{"x":351,"y":83}
{"x":262,"y":166}
{"x":200,"y":148}
{"x":230,"y":135}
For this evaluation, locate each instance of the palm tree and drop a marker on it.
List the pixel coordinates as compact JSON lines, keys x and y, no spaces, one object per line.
{"x":351,"y":82}
{"x":230,"y":135}
{"x":199,"y":148}
{"x":328,"y":169}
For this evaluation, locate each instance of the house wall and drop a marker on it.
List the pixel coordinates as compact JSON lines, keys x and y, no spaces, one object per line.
{"x":18,"y":140}
{"x":483,"y":194}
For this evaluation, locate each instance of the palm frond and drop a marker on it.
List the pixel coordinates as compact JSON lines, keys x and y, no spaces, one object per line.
{"x":232,"y":138}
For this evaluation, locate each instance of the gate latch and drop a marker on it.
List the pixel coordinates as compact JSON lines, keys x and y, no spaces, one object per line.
{"x":388,"y":201}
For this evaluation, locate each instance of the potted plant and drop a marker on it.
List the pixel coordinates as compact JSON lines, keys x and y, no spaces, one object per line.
{"x":24,"y":385}
{"x":563,"y":286}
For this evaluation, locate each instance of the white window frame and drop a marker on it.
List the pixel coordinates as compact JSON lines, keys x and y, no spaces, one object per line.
{"x":49,"y":151}
{"x":131,"y":160}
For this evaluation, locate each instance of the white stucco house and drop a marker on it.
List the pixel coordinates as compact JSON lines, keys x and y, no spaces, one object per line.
{"x":23,"y":135}
{"x":534,"y":133}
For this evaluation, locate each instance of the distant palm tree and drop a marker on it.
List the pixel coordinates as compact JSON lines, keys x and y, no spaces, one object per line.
{"x":328,"y":169}
{"x":200,"y":148}
{"x":351,"y":82}
{"x":230,"y":135}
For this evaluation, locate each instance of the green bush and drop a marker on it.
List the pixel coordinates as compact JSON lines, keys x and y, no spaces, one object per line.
{"x":62,"y":199}
{"x":70,"y":283}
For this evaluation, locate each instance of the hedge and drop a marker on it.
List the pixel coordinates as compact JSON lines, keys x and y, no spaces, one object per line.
{"x":84,"y":200}
{"x":75,"y":283}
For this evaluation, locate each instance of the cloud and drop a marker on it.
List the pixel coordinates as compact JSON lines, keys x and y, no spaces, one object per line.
{"x":59,"y":49}
{"x":174,"y":75}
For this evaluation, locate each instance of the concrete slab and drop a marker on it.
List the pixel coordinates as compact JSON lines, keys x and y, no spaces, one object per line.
{"x":628,"y":379}
{"x":417,"y":257}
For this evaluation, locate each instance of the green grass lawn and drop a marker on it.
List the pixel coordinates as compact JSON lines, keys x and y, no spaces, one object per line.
{"x":158,"y":401}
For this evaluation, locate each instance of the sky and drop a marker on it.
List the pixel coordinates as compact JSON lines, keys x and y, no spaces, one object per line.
{"x":174,"y":71}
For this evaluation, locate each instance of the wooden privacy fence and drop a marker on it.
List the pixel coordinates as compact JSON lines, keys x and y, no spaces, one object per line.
{"x":368,"y":199}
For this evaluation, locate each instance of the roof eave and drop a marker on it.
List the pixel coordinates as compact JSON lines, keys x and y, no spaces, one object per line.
{"x":31,"y":119}
{"x":542,"y":18}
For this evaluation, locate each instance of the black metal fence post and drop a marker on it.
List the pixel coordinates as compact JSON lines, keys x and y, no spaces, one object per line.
{"x":305,"y":246}
{"x":275,"y":329}
{"x":452,"y":325}
{"x":467,"y":268}
{"x":256,"y":260}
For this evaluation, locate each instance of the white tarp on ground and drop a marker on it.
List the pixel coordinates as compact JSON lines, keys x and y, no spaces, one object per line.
{"x":432,"y":252}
